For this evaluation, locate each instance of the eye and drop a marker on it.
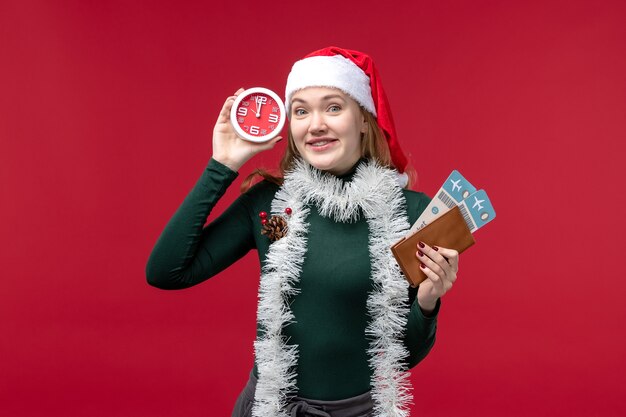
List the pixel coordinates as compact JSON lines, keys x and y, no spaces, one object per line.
{"x":334,"y":108}
{"x":299,"y":112}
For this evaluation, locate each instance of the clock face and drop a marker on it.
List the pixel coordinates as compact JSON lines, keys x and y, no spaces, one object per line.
{"x":258,"y":114}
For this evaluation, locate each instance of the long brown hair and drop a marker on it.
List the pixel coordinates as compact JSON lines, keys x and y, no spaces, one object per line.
{"x":373,"y":146}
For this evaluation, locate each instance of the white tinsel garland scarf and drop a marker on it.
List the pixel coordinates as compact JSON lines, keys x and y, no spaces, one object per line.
{"x":374,"y":192}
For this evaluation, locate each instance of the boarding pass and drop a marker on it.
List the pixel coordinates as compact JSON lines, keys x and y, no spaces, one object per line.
{"x":475,"y":206}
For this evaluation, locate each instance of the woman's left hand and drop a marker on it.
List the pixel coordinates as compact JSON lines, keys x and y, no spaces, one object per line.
{"x":440,"y":266}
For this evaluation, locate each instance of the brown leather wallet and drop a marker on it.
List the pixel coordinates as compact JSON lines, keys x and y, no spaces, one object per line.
{"x":447,"y":231}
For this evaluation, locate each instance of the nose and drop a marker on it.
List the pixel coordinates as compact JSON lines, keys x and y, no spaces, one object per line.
{"x":317,"y":123}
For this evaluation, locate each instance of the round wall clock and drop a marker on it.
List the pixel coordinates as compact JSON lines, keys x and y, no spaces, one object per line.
{"x":258,"y":114}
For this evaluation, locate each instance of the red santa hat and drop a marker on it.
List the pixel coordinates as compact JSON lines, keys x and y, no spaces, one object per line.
{"x":354,"y":73}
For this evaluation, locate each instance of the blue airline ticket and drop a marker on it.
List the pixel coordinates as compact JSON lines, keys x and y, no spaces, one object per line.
{"x":454,"y":190}
{"x":477,"y":210}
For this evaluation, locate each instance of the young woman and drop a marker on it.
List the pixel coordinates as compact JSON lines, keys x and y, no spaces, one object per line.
{"x":337,"y":325}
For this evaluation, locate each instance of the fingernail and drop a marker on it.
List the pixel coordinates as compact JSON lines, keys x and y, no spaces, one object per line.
{"x":421,"y":244}
{"x":435,"y":248}
{"x":422,"y":265}
{"x":420,"y":253}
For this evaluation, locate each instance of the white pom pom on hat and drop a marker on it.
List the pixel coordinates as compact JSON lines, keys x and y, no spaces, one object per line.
{"x":354,"y":73}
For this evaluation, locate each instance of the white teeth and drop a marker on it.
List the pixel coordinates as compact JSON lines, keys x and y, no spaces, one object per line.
{"x":320,"y":143}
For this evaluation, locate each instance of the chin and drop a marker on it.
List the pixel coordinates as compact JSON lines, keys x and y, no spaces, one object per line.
{"x":323,"y":164}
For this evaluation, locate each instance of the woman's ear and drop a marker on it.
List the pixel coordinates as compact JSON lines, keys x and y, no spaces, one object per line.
{"x":364,"y":124}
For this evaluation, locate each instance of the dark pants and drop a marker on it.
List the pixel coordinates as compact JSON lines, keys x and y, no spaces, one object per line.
{"x":359,"y":406}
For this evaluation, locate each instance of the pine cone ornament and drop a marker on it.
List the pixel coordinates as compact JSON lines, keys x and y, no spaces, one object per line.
{"x":275,"y":228}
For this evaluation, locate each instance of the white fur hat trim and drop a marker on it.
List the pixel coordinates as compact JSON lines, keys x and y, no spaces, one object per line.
{"x":330,"y":71}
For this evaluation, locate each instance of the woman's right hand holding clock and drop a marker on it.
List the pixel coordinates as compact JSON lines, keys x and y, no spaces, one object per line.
{"x":228,"y":148}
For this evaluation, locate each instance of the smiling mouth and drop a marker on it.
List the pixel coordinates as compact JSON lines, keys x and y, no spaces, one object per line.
{"x":318,"y":143}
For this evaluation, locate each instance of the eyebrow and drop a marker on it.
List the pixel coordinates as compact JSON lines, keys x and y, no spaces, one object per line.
{"x":325,"y":98}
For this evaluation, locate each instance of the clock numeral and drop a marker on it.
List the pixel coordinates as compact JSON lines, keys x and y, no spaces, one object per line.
{"x":245,"y":103}
{"x":271,"y":127}
{"x":242,"y":111}
{"x":274,"y":109}
{"x":254,"y":130}
{"x":240,"y":119}
{"x":273,"y":118}
{"x":261,"y":99}
{"x":263,"y":132}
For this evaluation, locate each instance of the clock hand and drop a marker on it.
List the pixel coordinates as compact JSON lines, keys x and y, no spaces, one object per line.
{"x":260,"y":104}
{"x":258,"y":107}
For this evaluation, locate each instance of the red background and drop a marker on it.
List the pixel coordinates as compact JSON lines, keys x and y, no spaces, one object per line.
{"x":106,"y":113}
